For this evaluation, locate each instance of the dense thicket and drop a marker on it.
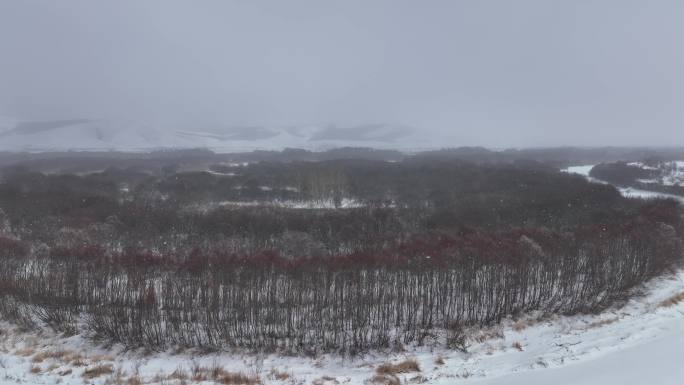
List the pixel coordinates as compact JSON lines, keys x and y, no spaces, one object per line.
{"x":179,"y":211}
{"x":560,"y":157}
{"x":621,"y":173}
{"x":426,"y":249}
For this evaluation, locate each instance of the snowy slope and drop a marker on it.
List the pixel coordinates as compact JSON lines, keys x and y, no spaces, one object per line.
{"x":656,"y":362}
{"x":668,"y":173}
{"x":625,"y":191}
{"x":642,"y":344}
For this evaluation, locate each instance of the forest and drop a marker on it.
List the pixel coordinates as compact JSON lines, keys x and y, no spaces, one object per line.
{"x":304,"y":257}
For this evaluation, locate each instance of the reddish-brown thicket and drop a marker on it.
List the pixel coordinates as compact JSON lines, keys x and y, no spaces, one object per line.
{"x":426,"y":286}
{"x":12,"y":248}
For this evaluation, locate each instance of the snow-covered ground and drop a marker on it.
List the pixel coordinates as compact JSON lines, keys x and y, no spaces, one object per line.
{"x":668,"y":173}
{"x":345,"y":203}
{"x":656,"y":362}
{"x":675,"y":175}
{"x":639,"y":343}
{"x":625,"y":191}
{"x":329,"y":204}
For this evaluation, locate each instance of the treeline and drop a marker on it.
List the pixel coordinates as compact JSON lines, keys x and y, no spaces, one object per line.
{"x":180,"y":211}
{"x":622,"y":173}
{"x":193,"y":159}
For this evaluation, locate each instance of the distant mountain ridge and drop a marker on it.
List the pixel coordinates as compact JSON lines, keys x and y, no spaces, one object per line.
{"x":91,"y":134}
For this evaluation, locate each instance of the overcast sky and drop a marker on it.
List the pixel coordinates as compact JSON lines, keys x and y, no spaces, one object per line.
{"x":492,"y":73}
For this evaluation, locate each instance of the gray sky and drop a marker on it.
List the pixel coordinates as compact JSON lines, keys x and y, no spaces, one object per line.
{"x":493,"y":73}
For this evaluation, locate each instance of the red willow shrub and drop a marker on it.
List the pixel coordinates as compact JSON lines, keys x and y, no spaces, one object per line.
{"x":350,"y":303}
{"x":12,"y":248}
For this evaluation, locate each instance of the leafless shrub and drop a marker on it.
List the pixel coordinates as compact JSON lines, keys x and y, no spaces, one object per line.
{"x":116,"y":378}
{"x":279,"y":375}
{"x":222,"y":376}
{"x":384,"y":379}
{"x":25,"y":352}
{"x":49,"y":354}
{"x":486,"y":335}
{"x":178,"y":374}
{"x":325,"y":380}
{"x":672,"y":301}
{"x":598,"y":324}
{"x":406,"y":366}
{"x":97,"y":371}
{"x":231,"y":378}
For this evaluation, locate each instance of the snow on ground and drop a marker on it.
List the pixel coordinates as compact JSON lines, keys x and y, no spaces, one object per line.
{"x":628,"y":192}
{"x":581,"y":170}
{"x":669,"y":173}
{"x":674,"y":174}
{"x":326,"y":204}
{"x":639,"y":343}
{"x":345,"y":203}
{"x":655,"y":362}
{"x":584,"y":171}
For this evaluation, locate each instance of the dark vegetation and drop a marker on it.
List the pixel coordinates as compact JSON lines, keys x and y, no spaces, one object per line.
{"x":620,"y":173}
{"x":199,"y":159}
{"x":221,"y":259}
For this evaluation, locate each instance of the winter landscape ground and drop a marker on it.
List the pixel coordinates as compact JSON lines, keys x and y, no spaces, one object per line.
{"x":350,"y":192}
{"x":637,"y":343}
{"x":634,"y":341}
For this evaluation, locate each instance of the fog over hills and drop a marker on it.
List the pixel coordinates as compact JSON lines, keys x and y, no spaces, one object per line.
{"x":98,"y":134}
{"x":303,"y":73}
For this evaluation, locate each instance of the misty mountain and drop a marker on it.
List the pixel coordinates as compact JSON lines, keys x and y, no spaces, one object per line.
{"x":87,"y":134}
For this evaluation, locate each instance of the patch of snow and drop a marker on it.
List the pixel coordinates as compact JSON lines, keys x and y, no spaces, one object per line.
{"x":642,"y":165}
{"x":581,"y":170}
{"x":669,"y":173}
{"x":218,"y":173}
{"x":630,"y":192}
{"x":329,"y":204}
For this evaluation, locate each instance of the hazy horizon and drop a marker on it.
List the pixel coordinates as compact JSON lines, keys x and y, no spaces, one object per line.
{"x":493,"y":74}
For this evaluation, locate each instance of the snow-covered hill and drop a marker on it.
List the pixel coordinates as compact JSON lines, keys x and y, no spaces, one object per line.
{"x":91,"y":134}
{"x":669,"y":173}
{"x":628,"y":192}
